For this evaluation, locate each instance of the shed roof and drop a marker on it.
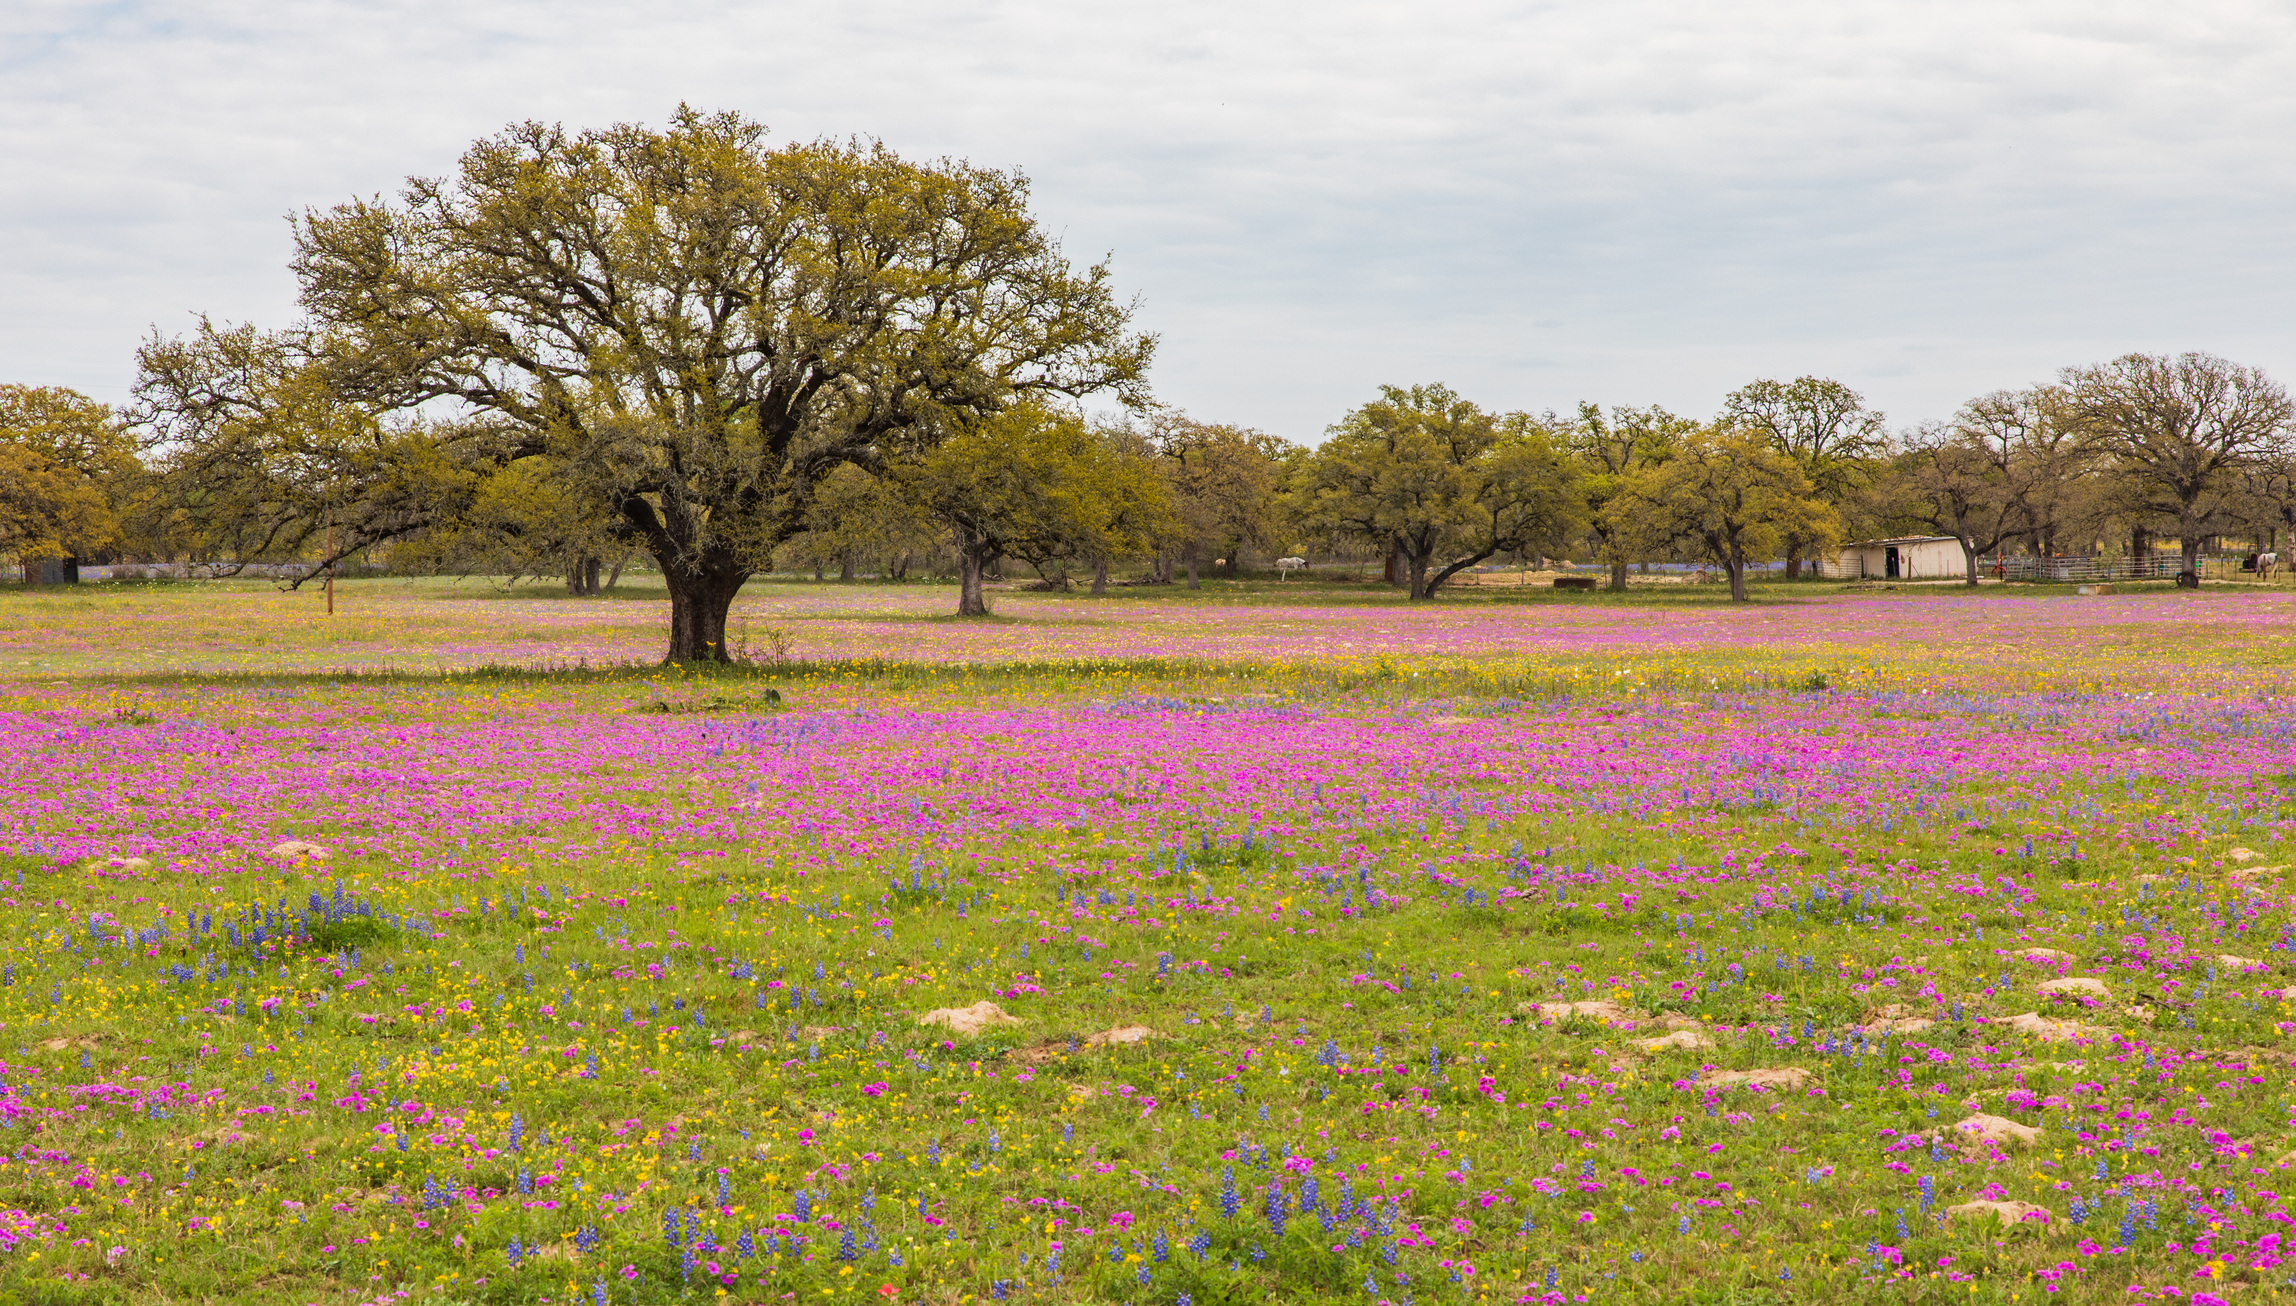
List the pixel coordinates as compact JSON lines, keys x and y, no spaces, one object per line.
{"x":1901,"y":539}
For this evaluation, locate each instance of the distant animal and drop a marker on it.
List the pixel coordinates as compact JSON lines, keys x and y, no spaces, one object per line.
{"x":2266,"y":565}
{"x":1286,"y":566}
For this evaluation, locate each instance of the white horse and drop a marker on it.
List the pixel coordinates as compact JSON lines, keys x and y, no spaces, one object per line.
{"x":1286,"y":566}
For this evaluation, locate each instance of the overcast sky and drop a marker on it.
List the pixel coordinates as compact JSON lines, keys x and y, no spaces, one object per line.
{"x":1630,"y":201}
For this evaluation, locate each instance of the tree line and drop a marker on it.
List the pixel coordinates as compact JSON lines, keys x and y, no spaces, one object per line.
{"x":715,"y":352}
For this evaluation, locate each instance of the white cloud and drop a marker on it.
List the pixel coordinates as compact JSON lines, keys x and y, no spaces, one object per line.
{"x":1634,"y":201}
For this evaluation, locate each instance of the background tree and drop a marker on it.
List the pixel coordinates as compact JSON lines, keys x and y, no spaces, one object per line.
{"x":1825,"y":427}
{"x":522,"y":520}
{"x":855,"y":516}
{"x":695,"y":327}
{"x":1037,"y":484}
{"x":1726,"y":496}
{"x":1226,"y":483}
{"x":2177,"y":432}
{"x":1978,"y":478}
{"x":68,"y":474}
{"x":48,"y":510}
{"x":1609,"y":451}
{"x":1438,"y":481}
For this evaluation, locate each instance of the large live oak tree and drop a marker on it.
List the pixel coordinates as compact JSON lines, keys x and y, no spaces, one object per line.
{"x":688,"y":328}
{"x":1431,"y":477}
{"x":1727,"y":496}
{"x":2179,"y":432}
{"x":1824,"y":426}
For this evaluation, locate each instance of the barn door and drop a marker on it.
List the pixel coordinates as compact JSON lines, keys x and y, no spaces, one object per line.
{"x":1889,"y":565}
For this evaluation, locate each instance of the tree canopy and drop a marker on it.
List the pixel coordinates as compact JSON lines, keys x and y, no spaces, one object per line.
{"x":1441,"y":482}
{"x":1727,"y":496}
{"x":689,"y":327}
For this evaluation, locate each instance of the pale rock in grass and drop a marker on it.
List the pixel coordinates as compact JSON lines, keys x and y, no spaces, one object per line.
{"x":1120,"y":1035}
{"x":2050,"y":955}
{"x":2081,"y":985}
{"x":1673,"y":1021}
{"x":1603,"y":1013}
{"x":301,"y":850}
{"x":1689,"y":1040}
{"x":2244,"y":854}
{"x":1996,"y":1129}
{"x":968,"y":1020}
{"x":2229,"y":961}
{"x":2052,"y":1030}
{"x":2010,"y":1213}
{"x":1779,"y":1077}
{"x":1894,"y":1018}
{"x":120,"y":864}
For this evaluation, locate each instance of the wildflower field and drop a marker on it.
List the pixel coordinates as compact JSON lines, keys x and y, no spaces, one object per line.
{"x":1907,"y":948}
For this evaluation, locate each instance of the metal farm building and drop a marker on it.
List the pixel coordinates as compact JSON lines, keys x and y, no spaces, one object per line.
{"x":1912,"y":557}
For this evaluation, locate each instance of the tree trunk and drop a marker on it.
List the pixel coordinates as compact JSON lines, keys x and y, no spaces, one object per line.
{"x":1418,"y":575}
{"x":1393,"y":574}
{"x":2190,"y":545}
{"x":1233,"y":563}
{"x":972,"y":563}
{"x":1793,"y":561}
{"x":699,"y":599}
{"x":819,"y":570}
{"x":612,"y":577}
{"x":1618,"y":576}
{"x":1100,"y":575}
{"x":1193,"y":583}
{"x":590,"y":567}
{"x":898,"y":568}
{"x":1737,"y":572}
{"x":1969,"y":556}
{"x":845,"y":564}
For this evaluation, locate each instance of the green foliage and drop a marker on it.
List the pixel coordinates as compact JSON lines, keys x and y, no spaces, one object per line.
{"x":1439,"y":482}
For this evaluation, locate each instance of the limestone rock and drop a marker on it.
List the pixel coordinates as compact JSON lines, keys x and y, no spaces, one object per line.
{"x":968,"y":1020}
{"x":2080,"y":984}
{"x":300,"y":850}
{"x":2046,"y":1028}
{"x":2045,"y":954}
{"x":2236,"y":963}
{"x":2011,"y":1213}
{"x":1996,"y":1129}
{"x":1120,"y":1035}
{"x":1894,"y":1018}
{"x":1780,"y":1077}
{"x":1690,"y":1040}
{"x":2244,"y":854}
{"x":1602,"y":1013}
{"x":119,"y":864}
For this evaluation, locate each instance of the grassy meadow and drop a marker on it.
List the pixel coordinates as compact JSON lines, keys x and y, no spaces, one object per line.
{"x":1905,"y":946}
